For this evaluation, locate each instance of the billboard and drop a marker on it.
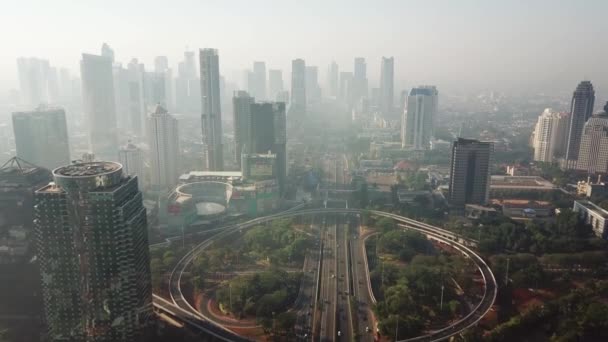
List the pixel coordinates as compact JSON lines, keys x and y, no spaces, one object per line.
{"x":260,"y":168}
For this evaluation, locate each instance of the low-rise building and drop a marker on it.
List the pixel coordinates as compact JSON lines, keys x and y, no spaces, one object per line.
{"x":593,"y":215}
{"x":523,"y":208}
{"x":500,"y":185}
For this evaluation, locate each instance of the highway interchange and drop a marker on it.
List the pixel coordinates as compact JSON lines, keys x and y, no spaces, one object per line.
{"x":335,"y":295}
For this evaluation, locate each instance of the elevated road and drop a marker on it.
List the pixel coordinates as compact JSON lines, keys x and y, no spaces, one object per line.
{"x":457,"y":242}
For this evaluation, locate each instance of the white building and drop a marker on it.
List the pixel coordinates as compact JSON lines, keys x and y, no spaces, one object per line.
{"x":418,"y":118}
{"x":99,"y":105}
{"x":594,"y":216}
{"x":132,"y":159}
{"x":593,"y":153}
{"x":550,"y":135}
{"x":387,"y":71}
{"x":164,"y":149}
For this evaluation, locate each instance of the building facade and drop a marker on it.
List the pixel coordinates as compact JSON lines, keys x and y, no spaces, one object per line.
{"x":387,"y":92}
{"x":333,"y":85}
{"x":163,"y":139}
{"x":92,"y":240}
{"x":593,"y":215}
{"x":298,"y":86}
{"x":470,"y":173}
{"x":132,"y":159}
{"x":211,"y":110}
{"x":275,"y":84}
{"x":418,"y":118}
{"x":581,"y":109}
{"x":99,"y":105}
{"x":257,"y":81}
{"x":41,"y":137}
{"x":241,"y":105}
{"x":550,"y":136}
{"x":593,"y":154}
{"x":268,"y":135}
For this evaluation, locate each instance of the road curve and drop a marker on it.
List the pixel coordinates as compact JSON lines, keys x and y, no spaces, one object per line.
{"x":440,"y":234}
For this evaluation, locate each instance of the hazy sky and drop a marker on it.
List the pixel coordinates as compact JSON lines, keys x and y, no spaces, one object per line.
{"x":458,"y":43}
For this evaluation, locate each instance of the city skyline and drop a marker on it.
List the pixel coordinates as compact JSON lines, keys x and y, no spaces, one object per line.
{"x":448,"y":48}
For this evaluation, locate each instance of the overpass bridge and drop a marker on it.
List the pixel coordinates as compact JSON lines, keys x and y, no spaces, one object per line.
{"x":182,"y":309}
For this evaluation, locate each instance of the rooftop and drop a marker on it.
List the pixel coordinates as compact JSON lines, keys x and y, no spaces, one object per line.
{"x":593,"y":207}
{"x":87,"y":169}
{"x":520,"y":182}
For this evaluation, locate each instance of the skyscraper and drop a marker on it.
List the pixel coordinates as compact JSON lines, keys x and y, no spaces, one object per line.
{"x":211,"y":111}
{"x":163,"y":139}
{"x":33,"y":81}
{"x":313,"y":90}
{"x":275,"y":84}
{"x":241,"y":104}
{"x":470,"y":173}
{"x":257,"y":81}
{"x":268,"y":133}
{"x":99,"y":105}
{"x":137,"y":103}
{"x":387,"y":71}
{"x":41,"y":137}
{"x":581,"y":109}
{"x":346,"y":88}
{"x":550,"y":135}
{"x":106,"y":51}
{"x":187,"y":86}
{"x":132,"y":159}
{"x":593,"y":154}
{"x":161,"y":64}
{"x":298,"y":86}
{"x":360,"y":79}
{"x":92,"y":241}
{"x":332,"y":79}
{"x":417,"y":121}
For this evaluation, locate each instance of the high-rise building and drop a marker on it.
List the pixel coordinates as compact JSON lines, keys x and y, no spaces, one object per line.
{"x":211,"y":111}
{"x":275,"y":83}
{"x":417,"y":121}
{"x":187,"y":86}
{"x":41,"y":137}
{"x":346,"y":88}
{"x":268,"y":134}
{"x":18,"y":182}
{"x":581,"y":109}
{"x":132,"y":159}
{"x":593,"y":154}
{"x":387,"y":71}
{"x":550,"y":135}
{"x":332,"y":79}
{"x":161,"y":64}
{"x":122,"y":96}
{"x":33,"y":81}
{"x":470,"y":173}
{"x":163,"y":139}
{"x":360,"y":83}
{"x":313,"y":90}
{"x":137,"y":103}
{"x":298,"y":86}
{"x":241,"y":104}
{"x":257,"y":81}
{"x":99,"y":105}
{"x":106,"y":51}
{"x":92,"y":240}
